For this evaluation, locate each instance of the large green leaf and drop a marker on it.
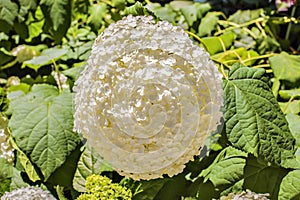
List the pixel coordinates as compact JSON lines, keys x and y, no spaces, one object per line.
{"x":289,"y":188}
{"x":42,"y":124}
{"x":89,"y":163}
{"x":254,"y":121}
{"x":286,"y":67}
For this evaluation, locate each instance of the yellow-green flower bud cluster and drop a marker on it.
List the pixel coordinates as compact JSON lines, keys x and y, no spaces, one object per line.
{"x":101,"y":187}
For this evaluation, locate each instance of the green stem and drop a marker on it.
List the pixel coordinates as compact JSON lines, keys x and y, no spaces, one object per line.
{"x":235,"y":25}
{"x":258,"y":57}
{"x":8,"y":65}
{"x":288,"y":31}
{"x":198,"y":38}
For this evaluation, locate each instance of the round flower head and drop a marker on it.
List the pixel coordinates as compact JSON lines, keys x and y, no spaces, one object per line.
{"x":147,"y":98}
{"x":28,"y":193}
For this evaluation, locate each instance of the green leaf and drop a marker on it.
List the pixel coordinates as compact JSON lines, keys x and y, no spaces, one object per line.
{"x":26,"y":163}
{"x":294,"y":124}
{"x":242,"y":16}
{"x":164,"y":13}
{"x":290,"y":107}
{"x":89,"y":163}
{"x":190,"y":13}
{"x":260,"y":177}
{"x":8,"y":11}
{"x":41,"y":124}
{"x":136,"y":9}
{"x":254,"y":121}
{"x":149,"y":189}
{"x":286,"y":67}
{"x":58,"y":17}
{"x":208,"y":23}
{"x":287,"y":94}
{"x":98,"y":12}
{"x":16,"y":180}
{"x":289,"y":188}
{"x":236,"y":55}
{"x":35,"y":24}
{"x":6,"y":169}
{"x":218,"y":44}
{"x":227,"y":169}
{"x":46,"y":57}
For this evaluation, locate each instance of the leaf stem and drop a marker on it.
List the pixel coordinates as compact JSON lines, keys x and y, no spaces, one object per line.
{"x":8,"y":65}
{"x":235,"y":25}
{"x":261,"y":66}
{"x":259,"y":57}
{"x":198,"y":38}
{"x":288,"y":103}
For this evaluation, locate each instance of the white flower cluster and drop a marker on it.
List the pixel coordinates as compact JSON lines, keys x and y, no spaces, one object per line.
{"x":147,"y":98}
{"x":246,"y":195}
{"x":28,"y":193}
{"x":6,"y":149}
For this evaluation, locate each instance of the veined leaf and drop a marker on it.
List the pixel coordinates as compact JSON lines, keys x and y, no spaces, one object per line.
{"x":42,"y":124}
{"x":254,"y":121}
{"x":89,"y":163}
{"x":289,"y":188}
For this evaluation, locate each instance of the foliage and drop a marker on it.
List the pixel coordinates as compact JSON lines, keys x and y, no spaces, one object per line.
{"x":101,"y":187}
{"x":255,"y":45}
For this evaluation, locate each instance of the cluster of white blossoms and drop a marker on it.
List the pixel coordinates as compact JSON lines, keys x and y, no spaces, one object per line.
{"x":28,"y":193}
{"x":147,"y":98}
{"x":6,"y":149}
{"x":246,"y":195}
